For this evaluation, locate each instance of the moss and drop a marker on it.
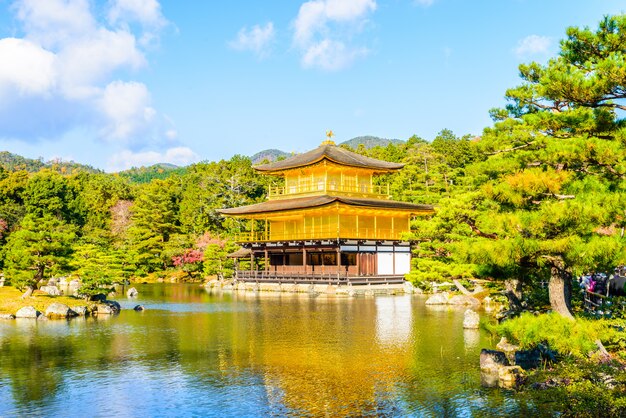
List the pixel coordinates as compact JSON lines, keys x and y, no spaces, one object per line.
{"x":11,"y":301}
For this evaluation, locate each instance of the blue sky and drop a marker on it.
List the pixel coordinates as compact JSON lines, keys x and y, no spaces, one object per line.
{"x":121,"y":83}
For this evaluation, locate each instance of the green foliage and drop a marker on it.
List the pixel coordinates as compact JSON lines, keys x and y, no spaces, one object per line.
{"x":41,"y":244}
{"x":143,"y":175}
{"x":584,"y":389}
{"x":566,"y":337}
{"x":215,"y":261}
{"x":211,"y":186}
{"x":154,"y":221}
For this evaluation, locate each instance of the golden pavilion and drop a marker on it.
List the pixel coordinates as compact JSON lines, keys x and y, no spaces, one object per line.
{"x":329,"y":223}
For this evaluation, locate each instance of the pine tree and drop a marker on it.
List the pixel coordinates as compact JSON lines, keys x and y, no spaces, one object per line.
{"x":552,"y":190}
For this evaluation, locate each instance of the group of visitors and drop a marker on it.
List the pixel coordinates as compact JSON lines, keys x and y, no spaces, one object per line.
{"x":604,"y":284}
{"x":594,"y":282}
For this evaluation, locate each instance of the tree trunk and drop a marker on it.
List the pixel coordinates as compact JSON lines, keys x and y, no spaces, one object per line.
{"x":513,"y":291}
{"x":560,"y":292}
{"x":29,"y":292}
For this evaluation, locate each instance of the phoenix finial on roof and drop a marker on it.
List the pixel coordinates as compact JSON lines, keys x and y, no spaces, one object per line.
{"x":329,"y":135}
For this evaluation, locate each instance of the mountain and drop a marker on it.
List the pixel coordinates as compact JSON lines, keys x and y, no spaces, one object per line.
{"x":268,"y":154}
{"x":369,"y":141}
{"x":14,"y":162}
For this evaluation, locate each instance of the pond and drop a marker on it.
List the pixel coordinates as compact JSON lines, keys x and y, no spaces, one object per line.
{"x":196,"y":353}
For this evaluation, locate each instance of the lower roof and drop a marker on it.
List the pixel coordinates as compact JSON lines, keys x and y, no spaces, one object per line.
{"x":281,"y":205}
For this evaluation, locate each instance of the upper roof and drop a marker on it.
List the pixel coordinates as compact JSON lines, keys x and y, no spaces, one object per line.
{"x":332,"y":153}
{"x":317,"y":201}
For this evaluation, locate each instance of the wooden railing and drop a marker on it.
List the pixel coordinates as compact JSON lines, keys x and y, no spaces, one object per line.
{"x":314,"y":278}
{"x":362,"y":190}
{"x":322,"y":233}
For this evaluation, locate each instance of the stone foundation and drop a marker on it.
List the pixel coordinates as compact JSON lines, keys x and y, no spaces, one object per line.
{"x":330,"y":289}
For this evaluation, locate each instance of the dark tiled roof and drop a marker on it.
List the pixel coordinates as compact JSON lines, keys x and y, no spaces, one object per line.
{"x":317,"y":201}
{"x":333,"y":153}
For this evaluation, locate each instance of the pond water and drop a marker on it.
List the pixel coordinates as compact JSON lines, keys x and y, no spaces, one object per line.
{"x":196,"y":353}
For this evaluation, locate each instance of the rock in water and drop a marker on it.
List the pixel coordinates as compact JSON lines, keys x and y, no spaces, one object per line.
{"x":510,"y":376}
{"x":471,"y":320}
{"x":139,"y":308}
{"x":51,"y":290}
{"x":27,"y":312}
{"x":108,"y":307}
{"x":59,"y":310}
{"x":7,"y":316}
{"x":492,"y":360}
{"x":508,"y":348}
{"x":80,"y":310}
{"x":132,"y":292}
{"x":438,"y":299}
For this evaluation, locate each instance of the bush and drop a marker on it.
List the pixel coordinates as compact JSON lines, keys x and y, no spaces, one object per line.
{"x":573,"y":338}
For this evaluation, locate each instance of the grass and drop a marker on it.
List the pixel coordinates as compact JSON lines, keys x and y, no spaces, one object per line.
{"x":11,"y":301}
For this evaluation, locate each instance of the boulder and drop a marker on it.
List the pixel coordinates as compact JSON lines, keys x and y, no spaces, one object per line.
{"x":73,"y":287}
{"x":528,"y":359}
{"x":492,"y":360}
{"x":53,"y":281}
{"x":108,"y":307}
{"x":51,"y":290}
{"x":27,"y":312}
{"x":132,"y":292}
{"x":59,"y":310}
{"x":438,"y":299}
{"x":471,"y":320}
{"x":510,"y":376}
{"x":80,"y":310}
{"x":7,"y":316}
{"x":98,"y":298}
{"x":508,"y":348}
{"x":139,"y":308}
{"x":463,"y":300}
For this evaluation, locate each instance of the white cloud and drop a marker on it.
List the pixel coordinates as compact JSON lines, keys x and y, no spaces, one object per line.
{"x":127,"y":159}
{"x":67,"y":67}
{"x":147,"y":12}
{"x":330,"y":55}
{"x":86,"y":62}
{"x":533,"y":45}
{"x":318,"y":28}
{"x":257,"y":39}
{"x":171,"y":134}
{"x":51,"y":23}
{"x":26,"y":68}
{"x":126,"y":106}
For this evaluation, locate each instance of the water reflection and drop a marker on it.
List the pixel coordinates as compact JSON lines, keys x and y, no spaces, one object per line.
{"x":194,"y":352}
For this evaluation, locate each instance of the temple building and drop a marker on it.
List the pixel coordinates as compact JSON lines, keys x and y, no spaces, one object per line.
{"x":328,"y":223}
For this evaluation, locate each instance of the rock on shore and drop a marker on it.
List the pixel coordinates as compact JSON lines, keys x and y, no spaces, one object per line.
{"x":59,"y":310}
{"x":27,"y":312}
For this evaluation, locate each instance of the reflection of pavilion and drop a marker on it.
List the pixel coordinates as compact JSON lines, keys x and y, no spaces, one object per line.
{"x":394,"y":320}
{"x":329,"y":223}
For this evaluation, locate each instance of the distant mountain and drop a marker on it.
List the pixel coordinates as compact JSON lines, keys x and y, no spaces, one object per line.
{"x":269,"y":155}
{"x":14,"y":162}
{"x":369,"y":141}
{"x":155,"y":171}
